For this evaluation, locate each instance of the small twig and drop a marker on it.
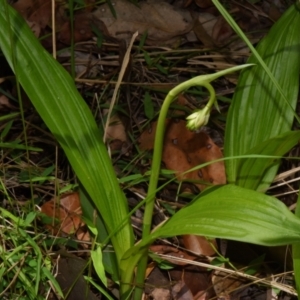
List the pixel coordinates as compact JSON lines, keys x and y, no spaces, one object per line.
{"x":121,"y":75}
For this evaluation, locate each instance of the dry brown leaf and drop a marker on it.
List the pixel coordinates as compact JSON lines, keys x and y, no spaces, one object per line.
{"x":221,"y":31}
{"x":37,"y":12}
{"x":180,"y":291}
{"x":160,"y":294}
{"x":4,"y":102}
{"x":172,"y":251}
{"x":116,"y":129}
{"x":208,"y":22}
{"x":203,"y":32}
{"x":67,"y":210}
{"x":151,"y":266}
{"x":35,"y":28}
{"x":196,"y":278}
{"x":224,"y":284}
{"x":82,"y":29}
{"x":116,"y":133}
{"x":199,"y":244}
{"x":184,"y":149}
{"x":82,"y":234}
{"x":148,"y":16}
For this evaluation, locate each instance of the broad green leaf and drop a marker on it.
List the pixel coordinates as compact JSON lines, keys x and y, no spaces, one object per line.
{"x":236,"y":213}
{"x":55,"y":97}
{"x":255,"y":169}
{"x":229,"y":212}
{"x":258,"y":111}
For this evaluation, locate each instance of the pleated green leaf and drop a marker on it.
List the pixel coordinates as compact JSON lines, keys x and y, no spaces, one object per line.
{"x":55,"y":97}
{"x":236,"y":213}
{"x":229,"y":212}
{"x":258,"y":111}
{"x":255,"y":169}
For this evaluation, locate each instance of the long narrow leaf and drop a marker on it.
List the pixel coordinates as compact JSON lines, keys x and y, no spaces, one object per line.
{"x":258,"y":111}
{"x":54,"y":95}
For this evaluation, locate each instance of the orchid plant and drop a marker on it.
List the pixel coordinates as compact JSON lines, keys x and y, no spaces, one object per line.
{"x":233,"y":211}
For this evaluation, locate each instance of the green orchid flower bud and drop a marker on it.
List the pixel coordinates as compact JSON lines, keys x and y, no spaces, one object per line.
{"x":198,"y":119}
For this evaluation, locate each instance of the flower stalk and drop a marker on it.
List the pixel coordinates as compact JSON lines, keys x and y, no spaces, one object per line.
{"x":202,"y":117}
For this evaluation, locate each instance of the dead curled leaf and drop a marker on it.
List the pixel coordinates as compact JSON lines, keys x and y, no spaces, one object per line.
{"x":196,"y":279}
{"x":4,"y":102}
{"x":38,"y":14}
{"x":67,"y":212}
{"x":200,"y":244}
{"x":116,"y":133}
{"x":184,"y":149}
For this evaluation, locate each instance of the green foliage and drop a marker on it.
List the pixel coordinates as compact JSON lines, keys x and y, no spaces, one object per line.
{"x":223,"y":209}
{"x":260,"y":111}
{"x":231,"y":212}
{"x":24,"y":270}
{"x":55,"y":97}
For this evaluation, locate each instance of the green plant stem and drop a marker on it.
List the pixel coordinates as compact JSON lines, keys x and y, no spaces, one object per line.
{"x":155,"y":169}
{"x":202,"y":80}
{"x":158,"y":146}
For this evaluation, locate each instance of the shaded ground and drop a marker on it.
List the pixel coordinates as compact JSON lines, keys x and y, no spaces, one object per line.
{"x":177,"y":40}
